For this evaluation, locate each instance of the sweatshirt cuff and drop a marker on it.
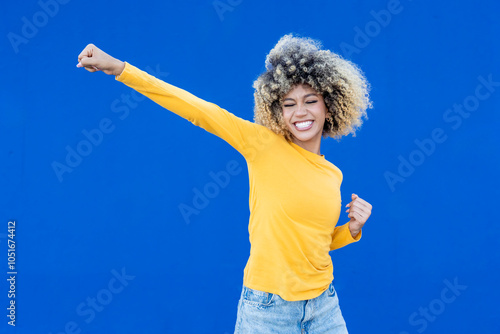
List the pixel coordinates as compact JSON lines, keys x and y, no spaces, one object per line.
{"x":123,"y":76}
{"x":354,"y":239}
{"x":342,"y":237}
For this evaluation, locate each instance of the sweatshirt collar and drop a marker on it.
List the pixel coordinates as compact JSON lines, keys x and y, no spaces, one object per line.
{"x":308,"y":154}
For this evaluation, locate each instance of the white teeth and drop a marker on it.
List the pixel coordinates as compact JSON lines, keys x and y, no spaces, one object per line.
{"x":302,"y":125}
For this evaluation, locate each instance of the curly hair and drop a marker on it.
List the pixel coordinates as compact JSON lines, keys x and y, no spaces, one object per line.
{"x":300,"y":60}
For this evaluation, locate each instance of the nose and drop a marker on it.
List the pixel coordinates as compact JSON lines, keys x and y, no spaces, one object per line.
{"x":301,"y":110}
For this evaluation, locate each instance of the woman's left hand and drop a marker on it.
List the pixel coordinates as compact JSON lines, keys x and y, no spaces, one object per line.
{"x":359,"y":210}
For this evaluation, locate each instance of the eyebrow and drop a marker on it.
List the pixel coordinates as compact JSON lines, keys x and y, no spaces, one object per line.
{"x":310,"y":94}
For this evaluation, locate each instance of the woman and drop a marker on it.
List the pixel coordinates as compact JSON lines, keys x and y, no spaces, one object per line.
{"x":306,"y":93}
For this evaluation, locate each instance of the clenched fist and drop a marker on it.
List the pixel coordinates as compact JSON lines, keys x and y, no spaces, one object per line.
{"x":359,"y":211}
{"x":94,"y":59}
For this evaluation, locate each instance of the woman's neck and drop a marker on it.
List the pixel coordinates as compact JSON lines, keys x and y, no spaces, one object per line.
{"x":310,"y":145}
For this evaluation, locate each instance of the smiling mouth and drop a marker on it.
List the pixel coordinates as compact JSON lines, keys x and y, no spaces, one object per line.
{"x":304,"y":125}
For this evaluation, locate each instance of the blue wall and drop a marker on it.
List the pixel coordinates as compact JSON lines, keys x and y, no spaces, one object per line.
{"x":105,"y":249}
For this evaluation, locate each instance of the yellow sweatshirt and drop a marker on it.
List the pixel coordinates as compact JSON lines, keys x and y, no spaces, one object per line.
{"x":294,"y":197}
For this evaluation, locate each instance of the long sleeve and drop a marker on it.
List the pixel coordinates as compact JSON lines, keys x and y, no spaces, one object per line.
{"x":294,"y":195}
{"x":236,"y":131}
{"x":342,"y":237}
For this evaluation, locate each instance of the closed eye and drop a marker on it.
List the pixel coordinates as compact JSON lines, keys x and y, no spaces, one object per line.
{"x":311,"y":102}
{"x":289,"y":105}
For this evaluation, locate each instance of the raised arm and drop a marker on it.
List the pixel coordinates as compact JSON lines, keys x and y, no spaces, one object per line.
{"x":239,"y":133}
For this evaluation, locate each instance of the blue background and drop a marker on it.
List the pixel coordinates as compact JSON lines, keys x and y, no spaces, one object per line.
{"x":118,"y":209}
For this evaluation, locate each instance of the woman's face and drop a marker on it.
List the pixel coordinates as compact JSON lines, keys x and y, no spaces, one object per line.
{"x":304,"y":112}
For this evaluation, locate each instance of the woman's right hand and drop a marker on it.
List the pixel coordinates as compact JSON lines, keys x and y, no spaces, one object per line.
{"x":94,"y":59}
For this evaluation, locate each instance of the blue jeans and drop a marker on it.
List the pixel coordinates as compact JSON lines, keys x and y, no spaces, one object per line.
{"x":262,"y":312}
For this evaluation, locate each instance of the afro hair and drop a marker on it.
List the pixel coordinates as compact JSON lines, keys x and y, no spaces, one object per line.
{"x":300,"y":60}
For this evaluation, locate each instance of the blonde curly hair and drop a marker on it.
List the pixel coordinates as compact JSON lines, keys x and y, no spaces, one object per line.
{"x":300,"y":60}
